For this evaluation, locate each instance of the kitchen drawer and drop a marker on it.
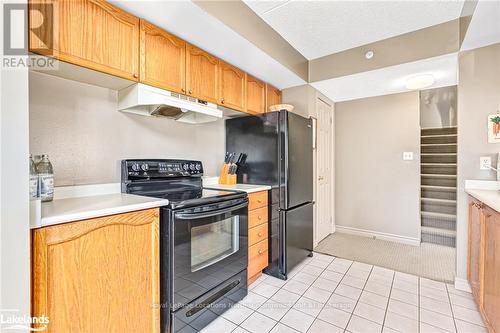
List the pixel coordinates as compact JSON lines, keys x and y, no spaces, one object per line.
{"x":257,"y":200}
{"x":258,"y":263}
{"x":257,"y":234}
{"x":257,"y":249}
{"x":257,"y":217}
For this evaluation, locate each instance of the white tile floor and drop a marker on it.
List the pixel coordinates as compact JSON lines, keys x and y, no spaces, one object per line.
{"x":325,"y":294}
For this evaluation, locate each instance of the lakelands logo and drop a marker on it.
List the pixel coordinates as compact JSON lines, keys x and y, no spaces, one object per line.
{"x":10,"y":319}
{"x":17,"y":35}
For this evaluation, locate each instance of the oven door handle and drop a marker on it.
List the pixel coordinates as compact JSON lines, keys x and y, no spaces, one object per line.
{"x":192,"y":216}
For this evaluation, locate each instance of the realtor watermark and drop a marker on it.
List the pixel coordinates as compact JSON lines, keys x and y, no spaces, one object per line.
{"x":11,"y":319}
{"x":28,"y":43}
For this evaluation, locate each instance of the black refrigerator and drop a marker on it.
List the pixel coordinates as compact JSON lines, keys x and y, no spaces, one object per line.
{"x":279,"y":152}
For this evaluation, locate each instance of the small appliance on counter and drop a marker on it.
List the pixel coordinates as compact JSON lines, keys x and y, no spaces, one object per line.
{"x":278,"y":148}
{"x":203,"y":241}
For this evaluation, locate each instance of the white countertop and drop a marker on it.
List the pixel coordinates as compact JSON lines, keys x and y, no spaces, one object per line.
{"x":81,"y":208}
{"x":239,"y":187}
{"x":490,"y":198}
{"x":213,"y":183}
{"x":486,"y":191}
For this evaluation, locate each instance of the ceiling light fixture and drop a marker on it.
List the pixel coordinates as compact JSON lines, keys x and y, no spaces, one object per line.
{"x":420,"y":81}
{"x":369,"y":55}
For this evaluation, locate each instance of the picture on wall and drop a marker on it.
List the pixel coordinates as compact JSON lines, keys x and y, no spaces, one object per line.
{"x":494,"y":128}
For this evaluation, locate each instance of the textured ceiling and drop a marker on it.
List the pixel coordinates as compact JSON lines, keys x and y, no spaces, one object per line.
{"x":319,"y":28}
{"x":390,"y":80}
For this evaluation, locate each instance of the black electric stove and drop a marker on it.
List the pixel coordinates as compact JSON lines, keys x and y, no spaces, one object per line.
{"x":203,"y":244}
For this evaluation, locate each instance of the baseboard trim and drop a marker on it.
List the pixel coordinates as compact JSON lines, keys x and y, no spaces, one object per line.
{"x":378,"y":235}
{"x":462,"y":284}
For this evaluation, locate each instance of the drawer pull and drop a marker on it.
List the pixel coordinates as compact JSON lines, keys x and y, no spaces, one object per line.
{"x":259,"y":234}
{"x":259,"y":201}
{"x":259,"y":217}
{"x":260,"y":251}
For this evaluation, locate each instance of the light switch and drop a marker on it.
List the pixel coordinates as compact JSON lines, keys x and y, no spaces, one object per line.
{"x":485,"y":162}
{"x":407,"y":156}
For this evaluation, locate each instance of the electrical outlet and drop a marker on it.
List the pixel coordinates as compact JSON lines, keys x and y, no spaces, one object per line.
{"x":407,"y":156}
{"x":485,"y":162}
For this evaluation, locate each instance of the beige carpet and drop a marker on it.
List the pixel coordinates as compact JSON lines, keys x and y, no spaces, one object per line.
{"x":427,"y":260}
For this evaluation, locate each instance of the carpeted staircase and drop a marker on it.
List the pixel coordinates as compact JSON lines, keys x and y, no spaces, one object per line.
{"x":438,"y":185}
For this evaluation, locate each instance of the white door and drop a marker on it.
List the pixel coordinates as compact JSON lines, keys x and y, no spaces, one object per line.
{"x":324,"y":224}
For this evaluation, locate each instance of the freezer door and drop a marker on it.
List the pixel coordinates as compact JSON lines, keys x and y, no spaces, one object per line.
{"x":257,"y":137}
{"x":297,"y":159}
{"x":298,"y":234}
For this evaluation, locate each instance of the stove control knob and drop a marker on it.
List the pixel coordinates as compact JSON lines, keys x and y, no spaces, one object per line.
{"x":198,"y":166}
{"x":145,"y":167}
{"x":185,"y":166}
{"x":135,"y":167}
{"x":191,"y":166}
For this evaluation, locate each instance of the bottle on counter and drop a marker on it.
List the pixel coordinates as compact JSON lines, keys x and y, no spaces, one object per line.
{"x":45,"y":178}
{"x":33,"y":180}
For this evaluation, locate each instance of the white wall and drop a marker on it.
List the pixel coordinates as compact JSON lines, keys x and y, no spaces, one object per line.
{"x":79,"y":126}
{"x":14,"y":190}
{"x":376,"y":191}
{"x":478,"y":97}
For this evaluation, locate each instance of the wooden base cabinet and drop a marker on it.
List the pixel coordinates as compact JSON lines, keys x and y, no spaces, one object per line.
{"x":98,"y":275}
{"x":483,"y":264}
{"x":258,"y":255}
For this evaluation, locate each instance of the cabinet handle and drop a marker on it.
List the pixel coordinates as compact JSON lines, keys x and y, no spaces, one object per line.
{"x":222,"y":100}
{"x":259,"y":217}
{"x":259,"y":201}
{"x":259,"y":234}
{"x":183,"y":90}
{"x":135,"y":76}
{"x":190,"y":91}
{"x":260,"y":251}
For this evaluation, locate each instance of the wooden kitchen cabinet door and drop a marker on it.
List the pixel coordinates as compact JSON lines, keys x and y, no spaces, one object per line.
{"x":491,"y":280}
{"x":98,"y":275}
{"x":88,"y":33}
{"x":256,"y":95}
{"x":232,"y":82}
{"x":163,"y":59}
{"x":201,"y":74}
{"x":273,"y":96}
{"x":475,"y":248}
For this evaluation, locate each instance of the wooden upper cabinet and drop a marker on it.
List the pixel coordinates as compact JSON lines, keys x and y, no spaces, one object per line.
{"x":256,"y":95}
{"x":88,"y":33}
{"x":201,"y":74}
{"x":232,"y":82}
{"x":163,"y":59}
{"x":98,"y":275}
{"x":273,"y":96}
{"x":475,"y":252}
{"x":491,"y":280}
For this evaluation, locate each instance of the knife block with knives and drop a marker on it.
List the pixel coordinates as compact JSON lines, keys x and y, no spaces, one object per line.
{"x":229,"y":168}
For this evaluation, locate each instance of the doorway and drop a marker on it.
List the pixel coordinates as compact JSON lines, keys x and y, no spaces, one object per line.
{"x":324,"y":170}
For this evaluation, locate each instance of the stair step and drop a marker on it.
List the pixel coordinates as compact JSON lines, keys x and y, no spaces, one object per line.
{"x":437,"y":135}
{"x":437,"y":175}
{"x":438,"y":144}
{"x":439,"y":139}
{"x":438,"y":130}
{"x":439,"y":215}
{"x":439,"y":188}
{"x":437,"y":222}
{"x":430,"y":148}
{"x":439,"y":168}
{"x":439,"y":164}
{"x":438,"y":158}
{"x":439,"y":201}
{"x":439,"y":231}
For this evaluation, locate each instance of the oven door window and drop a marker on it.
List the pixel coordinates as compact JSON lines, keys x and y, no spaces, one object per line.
{"x":213,"y":242}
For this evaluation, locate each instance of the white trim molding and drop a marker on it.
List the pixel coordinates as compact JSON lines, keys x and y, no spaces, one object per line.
{"x":378,"y":235}
{"x":462,"y":284}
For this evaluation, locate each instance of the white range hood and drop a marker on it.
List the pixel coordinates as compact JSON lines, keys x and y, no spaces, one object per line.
{"x":150,"y":101}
